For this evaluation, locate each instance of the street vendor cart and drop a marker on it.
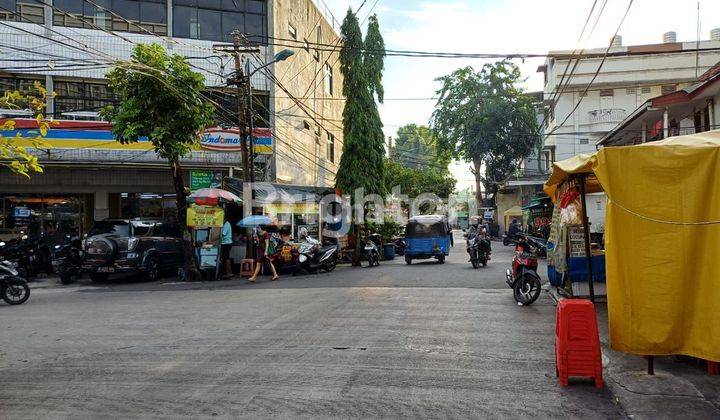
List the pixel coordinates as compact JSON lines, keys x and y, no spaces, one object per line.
{"x":661,"y":227}
{"x":206,"y":217}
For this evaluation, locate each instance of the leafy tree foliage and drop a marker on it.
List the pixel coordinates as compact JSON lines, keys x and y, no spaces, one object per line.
{"x":361,"y":62}
{"x":416,"y":181}
{"x":160,"y":99}
{"x":416,"y":146}
{"x":15,"y":151}
{"x":483,"y":117}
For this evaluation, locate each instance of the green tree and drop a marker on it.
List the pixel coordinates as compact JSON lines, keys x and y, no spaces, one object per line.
{"x":416,"y":181}
{"x":416,"y":146}
{"x":160,"y":99}
{"x":361,"y":63}
{"x":484,"y":118}
{"x":16,"y":151}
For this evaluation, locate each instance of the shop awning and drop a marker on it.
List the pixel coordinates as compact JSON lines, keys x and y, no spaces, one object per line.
{"x":266,"y":193}
{"x":661,"y":229}
{"x":513,"y":211}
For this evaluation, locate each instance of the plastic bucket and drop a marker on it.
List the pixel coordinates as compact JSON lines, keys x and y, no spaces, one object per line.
{"x":389,"y":251}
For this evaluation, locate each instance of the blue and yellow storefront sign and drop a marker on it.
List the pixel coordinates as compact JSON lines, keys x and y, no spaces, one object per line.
{"x":97,"y":135}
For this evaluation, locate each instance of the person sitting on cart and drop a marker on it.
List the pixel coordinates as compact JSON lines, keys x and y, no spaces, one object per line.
{"x":263,"y":253}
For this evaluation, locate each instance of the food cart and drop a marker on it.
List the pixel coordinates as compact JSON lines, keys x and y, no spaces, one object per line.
{"x":206,"y":217}
{"x":661,"y":228}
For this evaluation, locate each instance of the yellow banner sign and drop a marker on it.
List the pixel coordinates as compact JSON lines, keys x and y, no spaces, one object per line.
{"x":205,"y":216}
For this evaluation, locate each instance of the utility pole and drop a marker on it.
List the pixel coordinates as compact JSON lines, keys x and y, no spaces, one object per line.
{"x":240,"y":85}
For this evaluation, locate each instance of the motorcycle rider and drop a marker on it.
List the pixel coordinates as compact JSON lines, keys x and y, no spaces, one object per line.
{"x":303,"y":236}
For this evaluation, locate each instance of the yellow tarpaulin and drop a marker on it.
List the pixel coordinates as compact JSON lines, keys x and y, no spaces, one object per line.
{"x":662,"y":240}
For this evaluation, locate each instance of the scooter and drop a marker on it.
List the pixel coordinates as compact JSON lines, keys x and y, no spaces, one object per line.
{"x":68,"y":260}
{"x":523,"y":278}
{"x":372,"y":249}
{"x":313,"y":257}
{"x":13,"y":289}
{"x":399,"y":242}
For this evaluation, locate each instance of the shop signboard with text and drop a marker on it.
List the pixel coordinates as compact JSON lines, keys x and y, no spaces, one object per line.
{"x":228,"y":140}
{"x":205,"y":179}
{"x":205,"y":216}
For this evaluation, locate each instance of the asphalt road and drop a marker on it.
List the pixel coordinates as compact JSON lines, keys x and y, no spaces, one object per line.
{"x":425,"y":340}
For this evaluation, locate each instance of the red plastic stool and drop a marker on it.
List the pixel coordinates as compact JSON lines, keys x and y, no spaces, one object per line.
{"x":577,"y":342}
{"x":247,"y":267}
{"x":713,"y":368}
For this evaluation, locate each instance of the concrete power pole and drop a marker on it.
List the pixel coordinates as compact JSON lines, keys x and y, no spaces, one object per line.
{"x":242,"y":124}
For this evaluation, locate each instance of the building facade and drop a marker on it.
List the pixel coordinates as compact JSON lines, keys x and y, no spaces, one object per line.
{"x":69,"y":45}
{"x":628,"y":78}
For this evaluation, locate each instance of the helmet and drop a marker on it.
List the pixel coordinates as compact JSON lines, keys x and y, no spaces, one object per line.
{"x":302,"y":233}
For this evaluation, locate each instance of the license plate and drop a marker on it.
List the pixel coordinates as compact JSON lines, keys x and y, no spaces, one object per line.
{"x":105,"y":269}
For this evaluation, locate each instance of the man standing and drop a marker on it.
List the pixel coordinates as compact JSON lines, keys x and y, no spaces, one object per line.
{"x":226,"y":241}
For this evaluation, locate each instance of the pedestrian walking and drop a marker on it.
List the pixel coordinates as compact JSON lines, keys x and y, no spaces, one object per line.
{"x":264,"y":253}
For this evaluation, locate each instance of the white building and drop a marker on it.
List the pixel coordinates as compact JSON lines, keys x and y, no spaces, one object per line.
{"x":628,"y":78}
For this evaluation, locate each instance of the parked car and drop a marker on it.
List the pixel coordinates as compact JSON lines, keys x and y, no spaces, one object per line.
{"x":134,"y":246}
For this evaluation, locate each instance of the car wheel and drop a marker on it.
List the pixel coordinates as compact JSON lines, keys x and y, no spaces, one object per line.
{"x":441,"y":259}
{"x":408,"y":259}
{"x":152,"y":269}
{"x":99,"y":277}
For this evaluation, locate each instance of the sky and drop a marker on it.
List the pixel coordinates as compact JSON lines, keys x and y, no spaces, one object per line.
{"x":511,"y":26}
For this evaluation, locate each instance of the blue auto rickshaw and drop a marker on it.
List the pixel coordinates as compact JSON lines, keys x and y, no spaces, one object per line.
{"x":427,"y":237}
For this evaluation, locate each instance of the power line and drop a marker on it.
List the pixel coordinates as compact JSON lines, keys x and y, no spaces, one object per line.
{"x":577,"y":105}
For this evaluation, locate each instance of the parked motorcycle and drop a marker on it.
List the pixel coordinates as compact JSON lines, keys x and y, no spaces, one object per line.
{"x":539,"y":245}
{"x":371,"y":249}
{"x":13,"y":289}
{"x":30,"y":256}
{"x":314,"y":257}
{"x":68,"y":260}
{"x":523,"y":277}
{"x":478,"y":247}
{"x":399,"y":243}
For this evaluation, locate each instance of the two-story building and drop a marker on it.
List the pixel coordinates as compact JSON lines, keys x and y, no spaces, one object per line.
{"x":69,"y":45}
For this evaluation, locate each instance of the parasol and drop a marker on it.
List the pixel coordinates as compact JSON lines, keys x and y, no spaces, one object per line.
{"x":212,"y":197}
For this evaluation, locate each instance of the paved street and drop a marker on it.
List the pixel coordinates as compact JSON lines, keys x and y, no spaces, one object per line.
{"x":425,"y":340}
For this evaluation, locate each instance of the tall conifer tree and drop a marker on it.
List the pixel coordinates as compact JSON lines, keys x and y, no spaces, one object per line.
{"x":361,"y":63}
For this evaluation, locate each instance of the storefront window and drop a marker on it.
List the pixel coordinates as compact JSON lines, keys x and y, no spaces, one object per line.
{"x":161,"y":206}
{"x":34,"y":214}
{"x":308,"y":221}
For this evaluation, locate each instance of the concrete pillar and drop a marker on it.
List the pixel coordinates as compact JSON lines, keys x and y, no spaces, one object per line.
{"x":711,"y":112}
{"x":169,"y":19}
{"x":644,"y":132}
{"x":102,"y":205}
{"x":666,"y":125}
{"x":49,"y":101}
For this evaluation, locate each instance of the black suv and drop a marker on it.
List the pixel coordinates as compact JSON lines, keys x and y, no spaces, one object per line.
{"x":141,"y":246}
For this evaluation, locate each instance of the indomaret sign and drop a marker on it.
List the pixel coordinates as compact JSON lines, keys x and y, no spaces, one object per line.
{"x":228,"y":140}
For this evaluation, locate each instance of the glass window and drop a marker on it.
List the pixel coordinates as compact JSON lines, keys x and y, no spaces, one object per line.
{"x":253,"y":6}
{"x":183,"y":19}
{"x":254,"y":24}
{"x":330,"y":154}
{"x":328,"y":79}
{"x":212,"y":4}
{"x":232,"y":5}
{"x":232,"y":22}
{"x":110,"y":227}
{"x":209,"y":23}
{"x":30,"y":11}
{"x":68,"y":6}
{"x":152,"y":13}
{"x":128,"y":9}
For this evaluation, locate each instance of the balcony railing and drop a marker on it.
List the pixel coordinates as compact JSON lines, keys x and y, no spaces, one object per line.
{"x":611,"y":115}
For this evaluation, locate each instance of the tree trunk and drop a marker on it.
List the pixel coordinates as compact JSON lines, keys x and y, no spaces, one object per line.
{"x":189,"y":267}
{"x":477,"y":164}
